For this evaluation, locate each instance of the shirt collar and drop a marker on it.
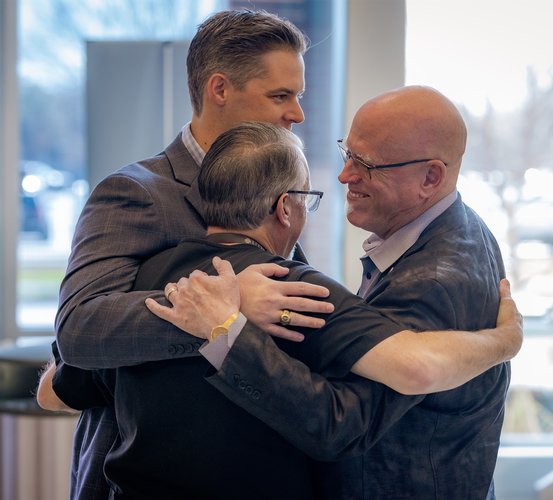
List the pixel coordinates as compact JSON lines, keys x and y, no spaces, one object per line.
{"x":385,"y":252}
{"x":192,"y":145}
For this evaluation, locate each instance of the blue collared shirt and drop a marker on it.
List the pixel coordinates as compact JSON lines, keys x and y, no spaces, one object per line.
{"x":384,"y":253}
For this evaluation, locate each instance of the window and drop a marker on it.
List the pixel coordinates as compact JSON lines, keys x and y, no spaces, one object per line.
{"x":493,"y":59}
{"x":53,"y":170}
{"x":53,"y":166}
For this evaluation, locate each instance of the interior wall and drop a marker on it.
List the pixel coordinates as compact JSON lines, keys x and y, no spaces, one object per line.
{"x":375,"y":63}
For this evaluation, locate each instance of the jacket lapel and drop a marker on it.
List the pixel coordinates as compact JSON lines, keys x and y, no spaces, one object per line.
{"x":185,"y":170}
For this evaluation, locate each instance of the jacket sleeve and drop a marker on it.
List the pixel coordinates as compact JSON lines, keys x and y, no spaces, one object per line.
{"x":100,"y":322}
{"x":81,"y":389}
{"x":327,"y":419}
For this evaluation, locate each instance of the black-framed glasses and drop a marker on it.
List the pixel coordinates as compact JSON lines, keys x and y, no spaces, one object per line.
{"x":312,"y":199}
{"x":348,"y":155}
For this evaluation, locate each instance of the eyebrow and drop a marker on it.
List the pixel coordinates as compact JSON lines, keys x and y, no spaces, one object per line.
{"x":285,"y":90}
{"x":358,"y":156}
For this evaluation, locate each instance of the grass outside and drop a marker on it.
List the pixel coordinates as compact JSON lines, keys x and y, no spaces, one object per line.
{"x":38,"y":284}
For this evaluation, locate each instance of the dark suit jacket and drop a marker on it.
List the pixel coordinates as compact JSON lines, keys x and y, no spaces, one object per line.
{"x":441,"y":446}
{"x":180,"y":438}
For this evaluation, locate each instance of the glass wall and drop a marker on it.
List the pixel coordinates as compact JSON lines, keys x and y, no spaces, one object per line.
{"x":494,"y":60}
{"x":52,"y":165}
{"x":52,"y":169}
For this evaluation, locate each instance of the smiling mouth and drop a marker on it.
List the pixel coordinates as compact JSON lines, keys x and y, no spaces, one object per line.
{"x":356,"y":196}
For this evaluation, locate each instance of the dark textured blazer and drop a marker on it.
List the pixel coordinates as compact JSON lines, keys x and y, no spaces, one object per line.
{"x":439,"y":446}
{"x":179,"y":437}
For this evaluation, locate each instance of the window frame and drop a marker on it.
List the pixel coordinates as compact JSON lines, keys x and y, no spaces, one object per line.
{"x":9,"y":152}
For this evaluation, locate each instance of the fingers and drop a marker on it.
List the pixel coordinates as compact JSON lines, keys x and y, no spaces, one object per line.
{"x":159,"y":310}
{"x":269,"y":270}
{"x":507,"y":303}
{"x":223,"y":267}
{"x":306,"y":305}
{"x":197,"y":274}
{"x":169,"y":289}
{"x":283,"y":333}
{"x":182,"y":283}
{"x":509,"y":321}
{"x":505,"y":289}
{"x":303,"y":288}
{"x":297,"y":319}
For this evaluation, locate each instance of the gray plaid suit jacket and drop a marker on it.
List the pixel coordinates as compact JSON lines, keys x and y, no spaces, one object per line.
{"x":134,"y":213}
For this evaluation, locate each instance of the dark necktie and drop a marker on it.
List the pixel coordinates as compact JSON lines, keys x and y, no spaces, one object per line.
{"x":368,"y":270}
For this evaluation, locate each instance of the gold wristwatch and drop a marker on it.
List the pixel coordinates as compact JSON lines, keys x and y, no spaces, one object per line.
{"x":222,"y":329}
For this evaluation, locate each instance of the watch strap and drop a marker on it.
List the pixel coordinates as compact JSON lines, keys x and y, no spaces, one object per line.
{"x":223,"y":328}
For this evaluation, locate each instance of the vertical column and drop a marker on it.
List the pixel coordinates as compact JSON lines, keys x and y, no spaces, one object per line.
{"x":8,"y":457}
{"x":9,"y":140}
{"x":375,"y":63}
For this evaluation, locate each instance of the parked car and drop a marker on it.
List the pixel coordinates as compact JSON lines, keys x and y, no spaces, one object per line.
{"x":32,"y":218}
{"x":37,"y":176}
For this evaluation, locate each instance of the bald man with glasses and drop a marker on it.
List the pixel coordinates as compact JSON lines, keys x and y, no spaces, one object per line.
{"x":429,"y":262}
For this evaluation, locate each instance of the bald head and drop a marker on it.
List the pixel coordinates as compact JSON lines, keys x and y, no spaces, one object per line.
{"x":416,"y":129}
{"x":413,"y":122}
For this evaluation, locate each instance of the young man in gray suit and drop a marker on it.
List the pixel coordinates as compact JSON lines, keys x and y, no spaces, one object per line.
{"x":241,"y":65}
{"x":430,"y":263}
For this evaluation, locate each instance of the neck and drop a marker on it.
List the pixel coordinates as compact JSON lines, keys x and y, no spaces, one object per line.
{"x":257,"y":235}
{"x":205,"y":130}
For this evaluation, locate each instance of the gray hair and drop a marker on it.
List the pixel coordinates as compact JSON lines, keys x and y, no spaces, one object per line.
{"x":245,"y":171}
{"x":232,"y":42}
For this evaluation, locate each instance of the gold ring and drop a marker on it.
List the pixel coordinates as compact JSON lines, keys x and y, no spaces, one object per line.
{"x":170,"y":291}
{"x":285,"y":317}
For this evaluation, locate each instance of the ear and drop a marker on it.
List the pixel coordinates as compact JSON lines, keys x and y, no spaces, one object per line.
{"x":434,"y":176}
{"x":217,"y":88}
{"x":282,"y":211}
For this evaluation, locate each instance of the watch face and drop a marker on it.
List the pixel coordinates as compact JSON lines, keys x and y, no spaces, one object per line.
{"x":218,"y":330}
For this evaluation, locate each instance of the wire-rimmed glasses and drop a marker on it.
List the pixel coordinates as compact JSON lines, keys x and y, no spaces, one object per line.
{"x":348,"y":155}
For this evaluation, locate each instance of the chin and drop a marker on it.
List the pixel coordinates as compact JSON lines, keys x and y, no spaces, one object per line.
{"x":357,"y":221}
{"x":350,"y":216}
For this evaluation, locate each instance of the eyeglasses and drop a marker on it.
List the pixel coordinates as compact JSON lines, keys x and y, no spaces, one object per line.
{"x":312,"y":199}
{"x":348,"y":155}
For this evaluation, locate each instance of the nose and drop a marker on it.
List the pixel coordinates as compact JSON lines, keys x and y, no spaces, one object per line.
{"x":346,"y":169}
{"x":295,"y":113}
{"x":342,"y":176}
{"x":348,"y":175}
